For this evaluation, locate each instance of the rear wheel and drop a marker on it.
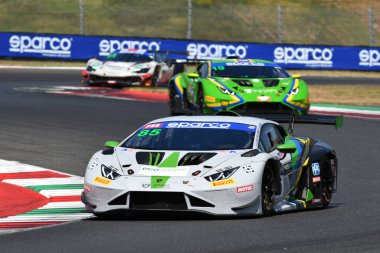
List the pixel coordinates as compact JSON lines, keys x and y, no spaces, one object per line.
{"x":327,"y":179}
{"x":154,"y":78}
{"x":268,"y":189}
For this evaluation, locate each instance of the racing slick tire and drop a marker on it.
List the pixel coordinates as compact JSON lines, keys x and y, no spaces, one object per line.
{"x":327,"y":180}
{"x":200,"y":99}
{"x":268,"y":190}
{"x":177,"y":105}
{"x":155,"y":77}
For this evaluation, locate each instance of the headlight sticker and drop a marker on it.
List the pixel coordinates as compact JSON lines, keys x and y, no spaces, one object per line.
{"x":248,"y":168}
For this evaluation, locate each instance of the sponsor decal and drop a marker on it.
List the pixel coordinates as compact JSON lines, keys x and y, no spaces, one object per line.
{"x":225,"y":182}
{"x":248,"y":168}
{"x":316,"y":179}
{"x":246,"y":188}
{"x":315,"y":168}
{"x":180,"y":171}
{"x":102,"y":180}
{"x":44,"y":45}
{"x":309,"y":56}
{"x":159,"y":182}
{"x":205,"y":51}
{"x":129,"y":149}
{"x":196,"y":173}
{"x":287,"y":168}
{"x":316,"y":201}
{"x":210,"y":99}
{"x":369,"y":57}
{"x":155,"y":125}
{"x":240,"y":63}
{"x":263,"y":98}
{"x":145,"y":186}
{"x":198,"y":125}
{"x":187,"y":183}
{"x":108,"y":46}
{"x":232,"y":151}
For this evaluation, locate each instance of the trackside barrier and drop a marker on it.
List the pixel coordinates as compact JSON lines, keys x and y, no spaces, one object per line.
{"x":76,"y":47}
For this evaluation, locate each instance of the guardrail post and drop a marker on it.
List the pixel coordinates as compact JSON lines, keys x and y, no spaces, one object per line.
{"x":189,"y":18}
{"x":371,"y":27}
{"x":81,"y":17}
{"x":279,"y":24}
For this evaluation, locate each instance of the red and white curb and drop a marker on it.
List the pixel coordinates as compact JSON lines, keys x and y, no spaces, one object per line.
{"x":364,"y":112}
{"x":33,"y":197}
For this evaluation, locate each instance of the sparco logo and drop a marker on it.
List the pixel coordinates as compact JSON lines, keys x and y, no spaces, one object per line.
{"x":369,"y":57}
{"x":198,"y":125}
{"x":40,"y":44}
{"x":204,"y":51}
{"x":304,"y":55}
{"x":108,"y":46}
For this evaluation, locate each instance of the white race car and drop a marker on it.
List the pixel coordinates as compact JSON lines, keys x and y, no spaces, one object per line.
{"x":130,"y":67}
{"x":223,"y":165}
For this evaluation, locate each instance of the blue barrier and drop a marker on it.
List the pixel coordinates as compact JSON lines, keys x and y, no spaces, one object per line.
{"x":75,"y":47}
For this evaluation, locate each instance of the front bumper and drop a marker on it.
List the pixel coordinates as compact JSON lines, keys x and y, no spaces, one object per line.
{"x":185,"y":194}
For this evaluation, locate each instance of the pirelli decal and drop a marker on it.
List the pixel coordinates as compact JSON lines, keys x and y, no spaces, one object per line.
{"x":225,"y":182}
{"x":102,"y":180}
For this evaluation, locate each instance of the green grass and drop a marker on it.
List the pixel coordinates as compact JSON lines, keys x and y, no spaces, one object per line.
{"x":339,"y":22}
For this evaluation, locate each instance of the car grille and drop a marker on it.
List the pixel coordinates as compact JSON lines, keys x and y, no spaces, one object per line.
{"x":100,"y":79}
{"x":261,"y":107}
{"x":157,"y":201}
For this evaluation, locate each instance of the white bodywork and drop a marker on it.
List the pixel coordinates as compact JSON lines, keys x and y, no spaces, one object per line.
{"x":119,"y":72}
{"x":239,"y":194}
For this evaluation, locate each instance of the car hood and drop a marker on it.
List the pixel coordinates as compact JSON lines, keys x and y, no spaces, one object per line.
{"x":173,"y":163}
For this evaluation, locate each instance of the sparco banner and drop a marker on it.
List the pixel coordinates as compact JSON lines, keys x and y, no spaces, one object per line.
{"x":75,"y":47}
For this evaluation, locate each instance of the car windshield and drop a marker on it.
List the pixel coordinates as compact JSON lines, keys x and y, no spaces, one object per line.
{"x":128,"y":58}
{"x":248,"y":72}
{"x":192,"y":136}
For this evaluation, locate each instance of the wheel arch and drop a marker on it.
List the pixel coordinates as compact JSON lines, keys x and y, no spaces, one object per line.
{"x":276,"y":166}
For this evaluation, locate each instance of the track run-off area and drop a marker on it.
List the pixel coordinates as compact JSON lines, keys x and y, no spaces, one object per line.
{"x":60,"y":133}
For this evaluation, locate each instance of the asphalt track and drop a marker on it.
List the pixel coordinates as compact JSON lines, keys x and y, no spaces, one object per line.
{"x":61,"y":132}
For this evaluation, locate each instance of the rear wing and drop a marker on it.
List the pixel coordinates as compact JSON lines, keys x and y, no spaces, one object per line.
{"x":336,"y":121}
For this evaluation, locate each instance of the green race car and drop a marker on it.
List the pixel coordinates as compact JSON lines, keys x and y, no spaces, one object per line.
{"x":239,"y":85}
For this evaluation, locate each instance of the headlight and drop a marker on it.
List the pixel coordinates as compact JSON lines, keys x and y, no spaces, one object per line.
{"x":226,"y":91}
{"x":144,"y":70}
{"x":226,"y":173}
{"x":109,"y":173}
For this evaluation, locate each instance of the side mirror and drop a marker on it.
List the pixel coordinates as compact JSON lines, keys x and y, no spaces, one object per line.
{"x":286,"y":148}
{"x":296,"y":76}
{"x":193,"y":75}
{"x":111,"y":144}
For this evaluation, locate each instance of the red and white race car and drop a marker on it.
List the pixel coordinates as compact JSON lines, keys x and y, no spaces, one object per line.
{"x":132,"y":67}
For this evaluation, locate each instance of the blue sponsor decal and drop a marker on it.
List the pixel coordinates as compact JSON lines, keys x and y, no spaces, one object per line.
{"x":315,"y":168}
{"x":201,"y":124}
{"x":76,"y":47}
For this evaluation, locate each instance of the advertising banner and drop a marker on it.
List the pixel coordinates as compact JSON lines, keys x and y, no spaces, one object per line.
{"x":76,"y":47}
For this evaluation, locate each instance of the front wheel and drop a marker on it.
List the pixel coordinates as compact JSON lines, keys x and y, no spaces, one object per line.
{"x":327,"y":179}
{"x":200,"y":99}
{"x":268,"y":189}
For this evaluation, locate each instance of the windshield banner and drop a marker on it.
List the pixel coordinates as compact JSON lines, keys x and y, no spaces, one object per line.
{"x":76,"y":47}
{"x":200,"y":124}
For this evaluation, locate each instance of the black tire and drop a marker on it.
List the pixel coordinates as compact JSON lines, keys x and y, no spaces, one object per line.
{"x":154,"y":78}
{"x":268,"y":190}
{"x":200,"y":99}
{"x":327,"y":180}
{"x":176,"y":105}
